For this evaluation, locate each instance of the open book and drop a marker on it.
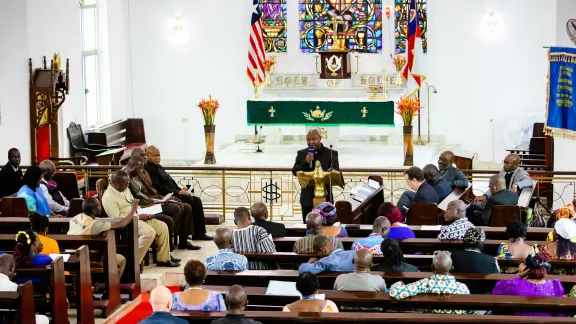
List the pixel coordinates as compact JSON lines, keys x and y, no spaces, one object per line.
{"x":158,"y":201}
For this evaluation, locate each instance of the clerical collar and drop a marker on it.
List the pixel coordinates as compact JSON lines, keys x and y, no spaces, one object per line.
{"x":14,"y":168}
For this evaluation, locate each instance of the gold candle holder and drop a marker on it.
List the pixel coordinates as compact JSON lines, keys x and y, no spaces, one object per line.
{"x":316,"y":58}
{"x":256,"y":84}
{"x":384,"y":84}
{"x":357,"y":63}
{"x":374,"y":90}
{"x":273,"y":58}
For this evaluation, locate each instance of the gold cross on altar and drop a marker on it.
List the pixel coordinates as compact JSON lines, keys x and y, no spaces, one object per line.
{"x":271,"y":111}
{"x":364,"y":111}
{"x":335,"y":46}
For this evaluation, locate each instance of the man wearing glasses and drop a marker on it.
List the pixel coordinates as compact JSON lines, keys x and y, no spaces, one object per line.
{"x":515,"y":177}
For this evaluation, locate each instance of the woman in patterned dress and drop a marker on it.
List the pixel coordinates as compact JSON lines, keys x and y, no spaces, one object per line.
{"x":194,"y":298}
{"x":515,"y":247}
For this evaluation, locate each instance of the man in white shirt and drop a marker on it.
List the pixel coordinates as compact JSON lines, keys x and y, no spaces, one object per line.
{"x":58,"y":203}
{"x":7,"y":269}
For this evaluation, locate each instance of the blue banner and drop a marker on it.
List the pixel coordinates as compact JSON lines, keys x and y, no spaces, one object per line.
{"x":560,"y":112}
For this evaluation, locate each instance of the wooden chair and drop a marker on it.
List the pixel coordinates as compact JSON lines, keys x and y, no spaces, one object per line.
{"x":502,"y":215}
{"x":423,"y":214}
{"x":78,"y":144}
{"x":101,"y":186}
{"x":128,"y":133}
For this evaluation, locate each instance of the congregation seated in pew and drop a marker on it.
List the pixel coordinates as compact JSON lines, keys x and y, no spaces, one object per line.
{"x":457,"y":221}
{"x":515,"y":247}
{"x":236,"y":301}
{"x":329,"y":219}
{"x":421,"y":191}
{"x":193,"y":297}
{"x":360,"y":279}
{"x":380,"y":231}
{"x":259,"y":212}
{"x":59,"y":205}
{"x":531,"y":282}
{"x":307,"y":284}
{"x":480,"y":212}
{"x":453,"y":175}
{"x":563,"y":247}
{"x":470,"y":258}
{"x":35,"y":199}
{"x":328,"y":257}
{"x":440,"y":283}
{"x":393,"y":258}
{"x":161,"y":302}
{"x":398,"y":230}
{"x":28,"y":252}
{"x":440,"y":185}
{"x":226,"y":259}
{"x":39,"y":224}
{"x":251,"y":238}
{"x":11,"y":174}
{"x":305,"y":245}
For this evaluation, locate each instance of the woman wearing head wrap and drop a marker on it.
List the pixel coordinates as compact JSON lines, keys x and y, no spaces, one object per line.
{"x":531,"y":282}
{"x":563,"y":247}
{"x":471,"y":259}
{"x":329,"y":217}
{"x":558,"y":214}
{"x":398,"y":230}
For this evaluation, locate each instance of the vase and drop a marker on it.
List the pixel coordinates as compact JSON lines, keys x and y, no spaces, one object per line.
{"x":209,"y":134}
{"x":268,"y":79}
{"x":399,"y":80}
{"x":408,"y":146}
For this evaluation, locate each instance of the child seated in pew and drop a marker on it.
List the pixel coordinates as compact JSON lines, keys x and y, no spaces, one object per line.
{"x":27,"y":252}
{"x":440,"y":283}
{"x":307,"y":284}
{"x":39,"y":224}
{"x":194,"y":298}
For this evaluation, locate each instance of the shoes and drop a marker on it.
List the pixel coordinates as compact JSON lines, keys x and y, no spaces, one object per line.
{"x":202,"y":237}
{"x":188,"y":246}
{"x":175,"y":260}
{"x":168,"y":264}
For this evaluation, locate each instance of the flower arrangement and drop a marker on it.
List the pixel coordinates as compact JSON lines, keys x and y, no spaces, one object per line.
{"x":408,"y":108}
{"x":269,"y":63}
{"x":399,"y":62}
{"x":209,"y":108}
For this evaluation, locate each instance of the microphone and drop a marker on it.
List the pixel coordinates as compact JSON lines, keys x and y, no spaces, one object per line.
{"x":311,"y":150}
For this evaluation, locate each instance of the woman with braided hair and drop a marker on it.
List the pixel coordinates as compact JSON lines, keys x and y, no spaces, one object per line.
{"x":39,"y":224}
{"x":393,"y":258}
{"x":471,"y":259}
{"x":515,"y":247}
{"x":531,"y":282}
{"x":27,"y":252}
{"x":194,"y":298}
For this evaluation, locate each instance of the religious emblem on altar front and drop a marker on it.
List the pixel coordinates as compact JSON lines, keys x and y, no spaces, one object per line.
{"x":335,"y":63}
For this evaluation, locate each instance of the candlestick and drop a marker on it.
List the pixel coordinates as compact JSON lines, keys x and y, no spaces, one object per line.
{"x":384,"y":84}
{"x":316,"y":58}
{"x":256,"y":84}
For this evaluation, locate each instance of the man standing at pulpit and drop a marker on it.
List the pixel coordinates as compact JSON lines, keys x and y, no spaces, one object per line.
{"x":306,"y":160}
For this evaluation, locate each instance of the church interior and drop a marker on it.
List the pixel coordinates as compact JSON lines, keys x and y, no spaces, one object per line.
{"x":273,"y":161}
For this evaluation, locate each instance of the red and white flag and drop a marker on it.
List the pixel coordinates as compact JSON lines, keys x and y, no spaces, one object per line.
{"x":256,"y":53}
{"x":414,"y":71}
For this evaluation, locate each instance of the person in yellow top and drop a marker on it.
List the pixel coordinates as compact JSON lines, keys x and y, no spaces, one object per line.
{"x":39,"y":224}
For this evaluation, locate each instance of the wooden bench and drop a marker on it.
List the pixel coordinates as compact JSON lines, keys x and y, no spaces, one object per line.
{"x":22,"y":301}
{"x":16,"y":207}
{"x":285,"y":244}
{"x":493,"y":233}
{"x":502,"y":215}
{"x":260,"y":278}
{"x":271,"y":317}
{"x":423,"y":214}
{"x":351,"y":211}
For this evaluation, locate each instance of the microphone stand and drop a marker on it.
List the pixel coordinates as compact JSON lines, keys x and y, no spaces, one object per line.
{"x":331,"y":194}
{"x":258,"y":149}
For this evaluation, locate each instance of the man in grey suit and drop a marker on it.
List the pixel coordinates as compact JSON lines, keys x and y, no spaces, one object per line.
{"x":515,"y":177}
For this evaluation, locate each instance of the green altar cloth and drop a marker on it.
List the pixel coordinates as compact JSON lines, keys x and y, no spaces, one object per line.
{"x":320,"y":112}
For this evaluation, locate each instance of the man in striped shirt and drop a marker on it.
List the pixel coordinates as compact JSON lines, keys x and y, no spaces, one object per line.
{"x":305,"y":245}
{"x":251,"y":238}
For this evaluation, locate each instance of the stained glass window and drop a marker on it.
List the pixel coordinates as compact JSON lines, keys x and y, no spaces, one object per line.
{"x":274,"y":25}
{"x":401,"y":24}
{"x":362,"y":27}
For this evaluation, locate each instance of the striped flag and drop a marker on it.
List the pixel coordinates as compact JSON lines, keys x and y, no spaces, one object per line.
{"x":414,"y":71}
{"x":256,"y":53}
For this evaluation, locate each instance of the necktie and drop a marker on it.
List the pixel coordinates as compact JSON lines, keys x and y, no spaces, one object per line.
{"x":508,"y":178}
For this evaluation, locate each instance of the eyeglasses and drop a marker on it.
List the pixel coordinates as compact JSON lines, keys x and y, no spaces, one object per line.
{"x":506,"y":162}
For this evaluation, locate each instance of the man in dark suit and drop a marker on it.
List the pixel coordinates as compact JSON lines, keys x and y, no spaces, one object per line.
{"x":440,"y":185}
{"x":306,"y":161}
{"x":260,"y":214}
{"x":422,"y":191}
{"x":482,"y":215}
{"x":11,"y":174}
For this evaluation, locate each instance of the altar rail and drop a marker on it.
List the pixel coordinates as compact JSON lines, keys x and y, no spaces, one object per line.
{"x":223,"y":189}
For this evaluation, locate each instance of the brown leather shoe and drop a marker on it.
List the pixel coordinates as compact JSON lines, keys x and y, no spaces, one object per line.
{"x":168,"y":264}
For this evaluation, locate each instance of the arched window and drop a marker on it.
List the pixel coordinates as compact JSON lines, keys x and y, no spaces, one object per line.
{"x":401,"y":24}
{"x":274,"y":25}
{"x":363,"y":25}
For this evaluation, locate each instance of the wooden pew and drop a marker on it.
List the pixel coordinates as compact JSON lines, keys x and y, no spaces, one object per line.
{"x":501,"y":304}
{"x":285,"y":244}
{"x":21,"y":300}
{"x":16,"y":207}
{"x":493,"y":233}
{"x":79,"y":264}
{"x":423,"y":214}
{"x":502,"y":215}
{"x":260,"y":278}
{"x":271,"y":317}
{"x":351,"y":211}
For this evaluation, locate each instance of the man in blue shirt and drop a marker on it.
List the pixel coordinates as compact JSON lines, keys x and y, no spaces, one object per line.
{"x":330,"y":258}
{"x":161,"y":301}
{"x":226,"y":259}
{"x":380,"y":231}
{"x":440,"y":185}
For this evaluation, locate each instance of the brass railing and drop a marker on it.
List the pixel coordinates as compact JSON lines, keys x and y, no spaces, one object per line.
{"x":223,"y":189}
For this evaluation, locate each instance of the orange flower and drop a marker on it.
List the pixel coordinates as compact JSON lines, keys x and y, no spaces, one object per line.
{"x":399,"y":62}
{"x":408,"y":108}
{"x":209,"y":108}
{"x":268,"y":63}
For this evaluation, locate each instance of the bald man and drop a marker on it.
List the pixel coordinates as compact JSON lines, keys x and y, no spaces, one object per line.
{"x":305,"y":245}
{"x":457,"y":221}
{"x":164,"y":184}
{"x":259,"y":212}
{"x":380,"y":231}
{"x":236,"y":301}
{"x":361,"y":279}
{"x":226,"y":259}
{"x":440,"y":283}
{"x":481,"y":215}
{"x":453,"y":175}
{"x":161,"y":301}
{"x":306,"y":161}
{"x":58,"y":203}
{"x":329,"y":258}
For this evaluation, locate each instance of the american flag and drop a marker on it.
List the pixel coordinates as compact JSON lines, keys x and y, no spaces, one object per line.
{"x":414,"y":72}
{"x":256,"y":53}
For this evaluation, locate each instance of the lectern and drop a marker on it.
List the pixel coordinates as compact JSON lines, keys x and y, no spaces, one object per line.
{"x":320,"y":179}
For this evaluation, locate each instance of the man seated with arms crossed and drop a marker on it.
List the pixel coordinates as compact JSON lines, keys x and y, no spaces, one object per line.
{"x":117,"y":203}
{"x":361,"y":279}
{"x":248,"y":238}
{"x":481,"y":214}
{"x":328,"y":258}
{"x":455,"y":216}
{"x":305,"y":244}
{"x":86,"y":224}
{"x":226,"y":259}
{"x":164,"y":184}
{"x":380,"y":231}
{"x":58,"y":203}
{"x":453,"y":175}
{"x":421,"y":192}
{"x":260,"y":214}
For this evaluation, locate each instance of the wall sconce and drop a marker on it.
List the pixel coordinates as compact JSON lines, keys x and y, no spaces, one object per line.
{"x":178,"y":26}
{"x":388,"y":12}
{"x":492,"y":27}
